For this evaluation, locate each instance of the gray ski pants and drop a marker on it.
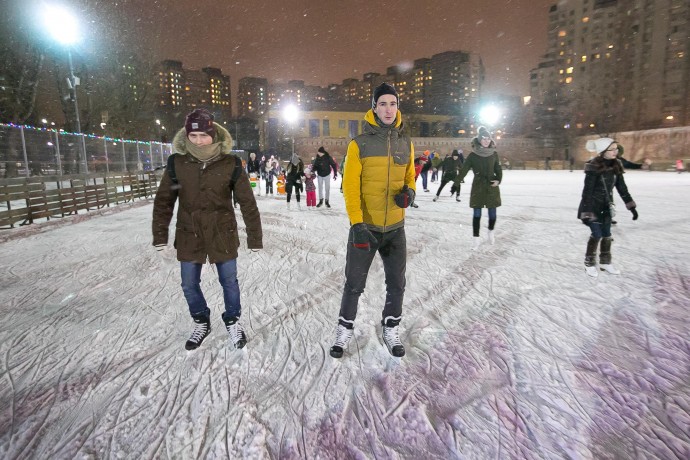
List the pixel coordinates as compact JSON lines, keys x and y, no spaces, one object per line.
{"x":392,"y":246}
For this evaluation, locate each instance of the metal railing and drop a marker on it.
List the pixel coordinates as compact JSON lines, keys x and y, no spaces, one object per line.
{"x":27,"y":151}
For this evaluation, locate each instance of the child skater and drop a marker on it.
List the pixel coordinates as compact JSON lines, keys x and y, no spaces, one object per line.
{"x":310,"y":188}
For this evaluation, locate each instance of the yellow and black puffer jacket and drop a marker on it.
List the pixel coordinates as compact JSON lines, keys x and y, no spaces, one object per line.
{"x":379,"y":162}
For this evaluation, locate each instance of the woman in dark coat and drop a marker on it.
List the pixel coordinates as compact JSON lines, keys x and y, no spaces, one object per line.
{"x":602,"y":174}
{"x":485,"y":193}
{"x":293,"y":178}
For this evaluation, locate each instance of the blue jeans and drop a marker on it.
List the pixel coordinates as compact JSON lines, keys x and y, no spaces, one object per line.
{"x":227,"y":276}
{"x":601,"y":228}
{"x":478,"y":213}
{"x":424,"y":179}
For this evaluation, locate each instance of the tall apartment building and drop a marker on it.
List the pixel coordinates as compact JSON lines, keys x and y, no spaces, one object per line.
{"x":182,"y":90}
{"x":614,"y":65}
{"x":252,"y":97}
{"x":170,"y":84}
{"x":448,"y":83}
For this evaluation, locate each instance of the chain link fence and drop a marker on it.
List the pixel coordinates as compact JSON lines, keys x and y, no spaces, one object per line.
{"x":27,"y":151}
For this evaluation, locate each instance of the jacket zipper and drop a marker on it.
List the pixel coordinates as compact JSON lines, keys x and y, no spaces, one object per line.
{"x":388,"y":179}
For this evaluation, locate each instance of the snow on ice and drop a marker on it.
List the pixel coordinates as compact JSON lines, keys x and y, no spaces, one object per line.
{"x":512,"y":351}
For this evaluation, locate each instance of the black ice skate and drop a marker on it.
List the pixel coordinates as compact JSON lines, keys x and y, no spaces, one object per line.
{"x":391,"y":337}
{"x":202,"y":328}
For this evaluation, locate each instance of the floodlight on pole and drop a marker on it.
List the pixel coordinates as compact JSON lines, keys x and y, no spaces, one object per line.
{"x":63,"y":27}
{"x":490,"y":115}
{"x":291,"y":115}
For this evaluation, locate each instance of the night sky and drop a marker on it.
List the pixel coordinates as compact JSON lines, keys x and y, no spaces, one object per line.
{"x":321,"y":42}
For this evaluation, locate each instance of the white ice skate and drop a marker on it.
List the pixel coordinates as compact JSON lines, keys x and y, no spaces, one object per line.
{"x":476,"y":241}
{"x":610,"y":269}
{"x":592,"y":271}
{"x":492,"y":237}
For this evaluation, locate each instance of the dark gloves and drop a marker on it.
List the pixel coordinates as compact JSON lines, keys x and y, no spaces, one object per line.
{"x":361,"y":237}
{"x":405,"y":197}
{"x":587,"y":218}
{"x":335,"y":176}
{"x":634,"y":213}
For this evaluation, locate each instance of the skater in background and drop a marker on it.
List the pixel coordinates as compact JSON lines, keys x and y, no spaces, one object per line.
{"x":293,"y":179}
{"x":204,"y":175}
{"x":436,"y":162}
{"x":269,"y":175}
{"x":484,"y":162}
{"x":450,"y":168}
{"x":254,"y":170}
{"x":378,"y":186}
{"x":426,"y":167}
{"x":342,"y":171}
{"x":323,"y":166}
{"x":627,"y":164}
{"x":253,"y":165}
{"x":310,"y":188}
{"x":602,"y":174}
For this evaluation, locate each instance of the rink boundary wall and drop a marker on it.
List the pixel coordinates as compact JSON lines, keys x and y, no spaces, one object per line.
{"x":22,"y":200}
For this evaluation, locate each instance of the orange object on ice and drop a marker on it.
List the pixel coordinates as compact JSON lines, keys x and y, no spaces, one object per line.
{"x":280,"y":184}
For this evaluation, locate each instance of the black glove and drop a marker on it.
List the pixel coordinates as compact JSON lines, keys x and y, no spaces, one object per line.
{"x":361,"y":238}
{"x":587,"y":218}
{"x":405,"y":197}
{"x":634,"y":213}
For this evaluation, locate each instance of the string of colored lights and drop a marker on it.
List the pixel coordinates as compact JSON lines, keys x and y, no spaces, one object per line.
{"x":62,"y":132}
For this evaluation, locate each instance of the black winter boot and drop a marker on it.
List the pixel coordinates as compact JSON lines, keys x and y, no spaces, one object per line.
{"x":590,"y":257}
{"x":591,"y":253}
{"x":605,"y":264}
{"x":202,"y":328}
{"x":327,"y":204}
{"x":320,"y":204}
{"x":605,"y":251}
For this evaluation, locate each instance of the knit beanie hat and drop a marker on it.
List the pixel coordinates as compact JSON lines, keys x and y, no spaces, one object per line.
{"x":483,"y":133}
{"x":454,"y":153}
{"x":322,"y":150}
{"x":383,"y":88}
{"x":600,"y":145}
{"x":200,"y":120}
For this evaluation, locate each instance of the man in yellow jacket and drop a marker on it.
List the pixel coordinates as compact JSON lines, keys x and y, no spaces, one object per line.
{"x":377,"y":188}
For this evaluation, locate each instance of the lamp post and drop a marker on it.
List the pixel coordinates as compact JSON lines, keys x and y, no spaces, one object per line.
{"x":63,"y":27}
{"x":291,"y":115}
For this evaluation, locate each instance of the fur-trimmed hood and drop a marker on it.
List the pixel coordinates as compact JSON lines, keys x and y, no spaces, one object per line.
{"x":222,"y":136}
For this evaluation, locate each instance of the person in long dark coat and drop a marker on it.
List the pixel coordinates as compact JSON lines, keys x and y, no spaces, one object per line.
{"x":603,"y":173}
{"x":485,"y":193}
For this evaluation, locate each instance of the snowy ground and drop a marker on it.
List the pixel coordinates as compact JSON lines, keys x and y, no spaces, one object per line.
{"x":512,"y":351}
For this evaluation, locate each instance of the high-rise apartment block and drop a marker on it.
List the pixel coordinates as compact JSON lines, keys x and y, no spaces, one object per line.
{"x":448,"y":83}
{"x":252,"y":97}
{"x":614,"y":65}
{"x":181,"y":89}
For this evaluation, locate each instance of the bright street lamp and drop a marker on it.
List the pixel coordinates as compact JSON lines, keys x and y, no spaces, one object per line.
{"x":291,"y":115}
{"x":490,"y":115}
{"x":63,"y":27}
